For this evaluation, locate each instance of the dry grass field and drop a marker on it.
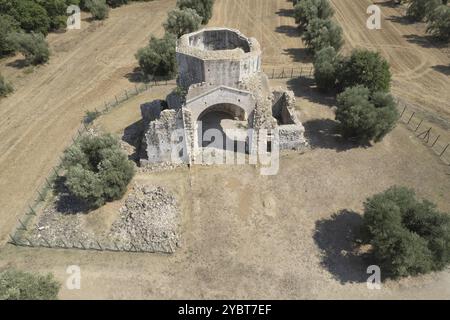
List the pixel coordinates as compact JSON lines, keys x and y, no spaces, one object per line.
{"x":243,"y":235}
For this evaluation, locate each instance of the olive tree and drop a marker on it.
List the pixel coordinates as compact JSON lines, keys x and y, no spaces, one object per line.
{"x":325,"y":65}
{"x":408,"y":236}
{"x":182,"y":21}
{"x":439,"y":23}
{"x":321,"y":33}
{"x":32,"y":45}
{"x":307,"y":10}
{"x":159,"y":57}
{"x":365,"y":116}
{"x":202,"y":7}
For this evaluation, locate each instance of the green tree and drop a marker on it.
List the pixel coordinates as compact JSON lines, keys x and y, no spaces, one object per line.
{"x":408,"y":236}
{"x":439,"y":23}
{"x":7,"y":25}
{"x":98,"y":8}
{"x":97,"y":170}
{"x":159,"y":57}
{"x":321,"y":33}
{"x":364,"y":116}
{"x":203,"y":7}
{"x":5,"y":87}
{"x":19,"y":285}
{"x":32,"y":45}
{"x":366,"y":68}
{"x":31,"y":16}
{"x":307,"y":10}
{"x":325,"y":64}
{"x":418,"y":10}
{"x":183,"y":21}
{"x":56,"y":11}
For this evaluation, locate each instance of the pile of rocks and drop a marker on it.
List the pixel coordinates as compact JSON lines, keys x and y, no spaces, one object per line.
{"x":149,"y":218}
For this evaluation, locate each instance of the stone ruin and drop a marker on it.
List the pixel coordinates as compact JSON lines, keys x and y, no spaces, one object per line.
{"x":220,"y":78}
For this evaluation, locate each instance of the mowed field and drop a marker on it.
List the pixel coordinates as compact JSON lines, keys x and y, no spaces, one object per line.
{"x":243,"y":235}
{"x":420,"y":67}
{"x":88,"y":66}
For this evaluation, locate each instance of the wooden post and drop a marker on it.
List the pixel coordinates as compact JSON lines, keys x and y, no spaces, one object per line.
{"x":32,"y":211}
{"x":418,"y":125}
{"x":437,"y":138}
{"x":412,"y":115}
{"x":41,"y":196}
{"x":404,"y":109}
{"x":14,"y":242}
{"x":443,"y":151}
{"x":117,"y":101}
{"x":48,"y":243}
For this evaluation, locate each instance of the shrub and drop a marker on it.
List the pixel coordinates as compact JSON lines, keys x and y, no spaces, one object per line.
{"x":365,"y":116}
{"x":203,"y":7}
{"x":321,"y":33}
{"x":56,"y":11}
{"x":31,"y":16}
{"x":7,"y":25}
{"x":307,"y":10}
{"x":98,"y":8}
{"x":18,"y":285}
{"x":408,"y":236}
{"x":97,"y":170}
{"x":325,"y":64}
{"x":32,"y":45}
{"x":366,"y":68}
{"x":421,"y":9}
{"x":439,"y":23}
{"x":116,"y":3}
{"x":183,"y":21}
{"x":5,"y":87}
{"x":159,"y":57}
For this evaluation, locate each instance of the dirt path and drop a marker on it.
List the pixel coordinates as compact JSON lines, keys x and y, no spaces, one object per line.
{"x":87,"y":67}
{"x":420,"y":70}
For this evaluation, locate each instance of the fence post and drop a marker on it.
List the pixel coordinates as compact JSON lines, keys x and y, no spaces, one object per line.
{"x":418,"y":125}
{"x":117,"y":101}
{"x":32,"y":211}
{"x":404,"y":109}
{"x":437,"y":138}
{"x":443,"y":151}
{"x":98,"y":243}
{"x":48,"y":243}
{"x":412,"y":115}
{"x":14,"y":242}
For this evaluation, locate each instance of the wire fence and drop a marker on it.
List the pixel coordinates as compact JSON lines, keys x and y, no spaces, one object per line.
{"x":25,"y":223}
{"x":289,"y":73}
{"x":425,"y":132}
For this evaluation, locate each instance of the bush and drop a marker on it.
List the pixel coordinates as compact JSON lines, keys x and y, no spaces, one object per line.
{"x":321,"y":33}
{"x":97,"y":170}
{"x":5,"y":87}
{"x":203,"y":7}
{"x":183,"y":21}
{"x":31,"y":16}
{"x":408,"y":236}
{"x":7,"y":25}
{"x":159,"y":57}
{"x":307,"y":10}
{"x":421,"y":9}
{"x":56,"y":11}
{"x":32,"y":45}
{"x":365,"y":68}
{"x":365,"y":116}
{"x":116,"y":3}
{"x":325,"y":64}
{"x":18,"y":285}
{"x":439,"y":23}
{"x":98,"y":8}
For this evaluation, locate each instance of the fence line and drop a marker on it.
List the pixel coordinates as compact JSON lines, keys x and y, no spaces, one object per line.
{"x":289,"y":73}
{"x":19,"y":239}
{"x":425,"y":133}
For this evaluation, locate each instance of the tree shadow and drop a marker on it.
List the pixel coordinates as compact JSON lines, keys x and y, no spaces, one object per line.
{"x":425,"y":41}
{"x":133,"y":135}
{"x":324,"y":134}
{"x":403,"y":20}
{"x":442,"y":69}
{"x":388,"y":4}
{"x":305,"y":87}
{"x":299,"y":54}
{"x":336,"y":238}
{"x":136,"y":76}
{"x":18,"y":63}
{"x":290,"y":31}
{"x":66,"y":202}
{"x":285,"y":12}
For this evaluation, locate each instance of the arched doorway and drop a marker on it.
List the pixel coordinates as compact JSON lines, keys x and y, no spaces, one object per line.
{"x":230,"y":120}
